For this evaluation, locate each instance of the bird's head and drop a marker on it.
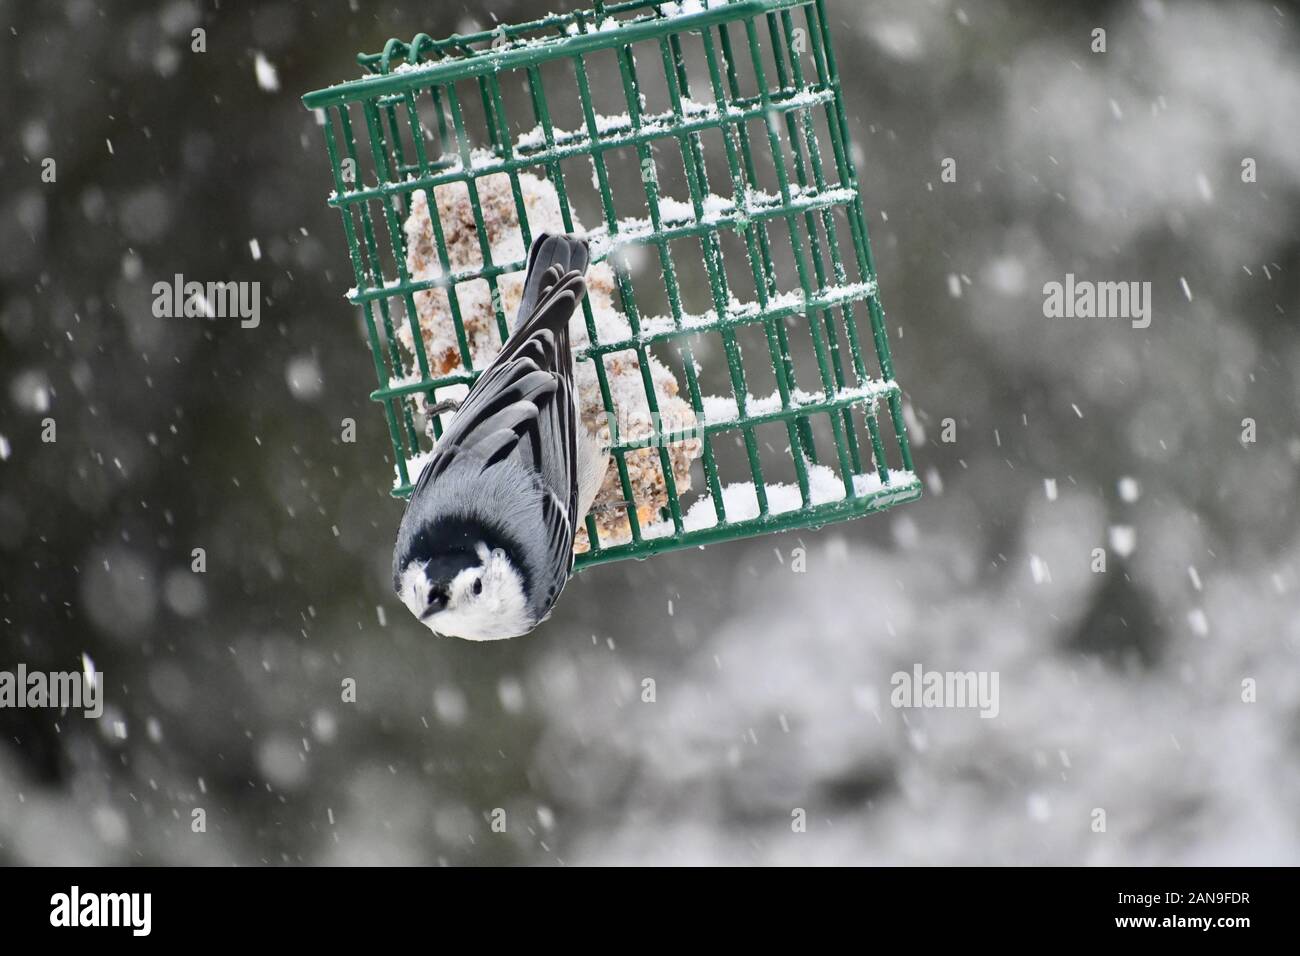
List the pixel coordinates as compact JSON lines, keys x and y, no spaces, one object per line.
{"x":471,"y":591}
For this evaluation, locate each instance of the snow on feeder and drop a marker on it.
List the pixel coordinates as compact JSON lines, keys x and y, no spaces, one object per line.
{"x":732,"y":351}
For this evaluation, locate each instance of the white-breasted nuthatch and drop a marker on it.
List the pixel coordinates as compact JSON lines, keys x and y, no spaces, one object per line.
{"x":486,"y":543}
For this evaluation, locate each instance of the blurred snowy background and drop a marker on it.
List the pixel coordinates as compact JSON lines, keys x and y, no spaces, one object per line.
{"x":1119,"y":690}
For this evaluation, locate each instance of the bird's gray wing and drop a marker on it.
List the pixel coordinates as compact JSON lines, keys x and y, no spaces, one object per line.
{"x":522,"y":406}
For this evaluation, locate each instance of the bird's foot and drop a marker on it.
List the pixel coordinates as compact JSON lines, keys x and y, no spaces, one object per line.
{"x":446,"y":405}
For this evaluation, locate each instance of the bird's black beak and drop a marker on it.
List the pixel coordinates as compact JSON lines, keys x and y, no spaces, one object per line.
{"x":437,"y":601}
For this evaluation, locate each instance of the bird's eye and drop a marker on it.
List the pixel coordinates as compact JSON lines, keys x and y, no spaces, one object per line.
{"x":478,"y":586}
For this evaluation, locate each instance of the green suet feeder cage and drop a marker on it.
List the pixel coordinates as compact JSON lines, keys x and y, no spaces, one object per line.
{"x":735,"y":358}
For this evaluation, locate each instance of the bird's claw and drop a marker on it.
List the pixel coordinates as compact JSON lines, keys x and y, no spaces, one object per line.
{"x":446,"y":405}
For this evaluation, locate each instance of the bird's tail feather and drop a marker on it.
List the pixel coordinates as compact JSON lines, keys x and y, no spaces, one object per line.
{"x":547,"y":251}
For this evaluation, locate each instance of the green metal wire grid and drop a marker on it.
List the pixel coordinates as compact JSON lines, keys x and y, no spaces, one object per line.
{"x":406,"y":126}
